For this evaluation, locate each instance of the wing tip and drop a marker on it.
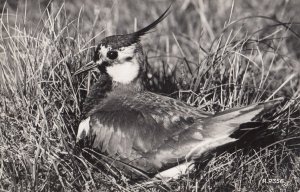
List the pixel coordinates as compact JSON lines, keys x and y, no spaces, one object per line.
{"x":228,"y":121}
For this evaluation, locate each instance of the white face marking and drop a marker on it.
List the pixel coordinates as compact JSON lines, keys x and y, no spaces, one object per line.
{"x":124,"y":73}
{"x":126,"y":52}
{"x":122,"y":70}
{"x":84,"y":128}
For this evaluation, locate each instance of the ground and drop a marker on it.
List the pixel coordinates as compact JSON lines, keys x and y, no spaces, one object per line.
{"x":214,"y":55}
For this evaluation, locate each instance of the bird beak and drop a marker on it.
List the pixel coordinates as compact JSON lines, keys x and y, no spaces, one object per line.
{"x":86,"y":67}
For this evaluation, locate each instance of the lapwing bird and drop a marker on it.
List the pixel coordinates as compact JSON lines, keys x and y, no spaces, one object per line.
{"x":141,"y":132}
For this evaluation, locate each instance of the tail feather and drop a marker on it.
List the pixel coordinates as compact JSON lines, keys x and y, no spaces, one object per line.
{"x":227,"y":122}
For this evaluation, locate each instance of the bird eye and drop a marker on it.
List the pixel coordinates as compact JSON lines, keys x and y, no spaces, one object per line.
{"x":112,"y":55}
{"x":128,"y":58}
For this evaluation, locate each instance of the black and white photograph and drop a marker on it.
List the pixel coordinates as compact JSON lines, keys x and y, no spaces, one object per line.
{"x":149,"y":95}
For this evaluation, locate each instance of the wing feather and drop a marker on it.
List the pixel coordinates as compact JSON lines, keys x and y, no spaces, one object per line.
{"x":153,"y":132}
{"x":120,"y":125}
{"x":139,"y":127}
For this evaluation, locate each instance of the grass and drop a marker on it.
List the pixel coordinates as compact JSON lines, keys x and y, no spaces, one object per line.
{"x":212,"y":58}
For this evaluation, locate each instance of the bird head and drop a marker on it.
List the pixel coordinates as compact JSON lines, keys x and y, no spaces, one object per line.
{"x":121,"y":56}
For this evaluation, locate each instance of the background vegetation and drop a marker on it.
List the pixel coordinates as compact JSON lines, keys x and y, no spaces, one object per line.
{"x":214,"y":55}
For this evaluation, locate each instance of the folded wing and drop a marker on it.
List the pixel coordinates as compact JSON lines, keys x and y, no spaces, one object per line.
{"x":153,"y":133}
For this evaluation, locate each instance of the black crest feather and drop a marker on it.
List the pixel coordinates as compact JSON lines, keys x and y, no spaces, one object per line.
{"x":146,"y":29}
{"x":118,"y":41}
